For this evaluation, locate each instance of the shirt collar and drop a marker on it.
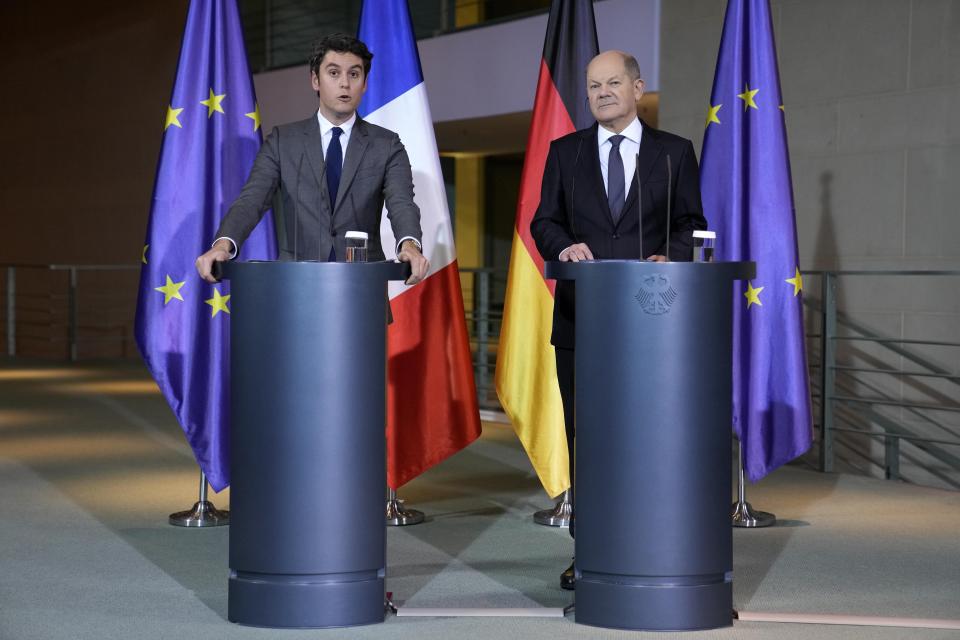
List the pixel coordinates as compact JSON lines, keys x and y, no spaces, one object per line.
{"x":633,"y":132}
{"x":326,"y":125}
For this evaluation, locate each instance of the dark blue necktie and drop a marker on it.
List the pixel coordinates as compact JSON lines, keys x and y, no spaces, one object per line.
{"x":616,"y":191}
{"x":334,"y":164}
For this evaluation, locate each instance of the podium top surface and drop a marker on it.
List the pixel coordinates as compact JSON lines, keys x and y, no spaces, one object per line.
{"x":384,"y":270}
{"x":555,"y":270}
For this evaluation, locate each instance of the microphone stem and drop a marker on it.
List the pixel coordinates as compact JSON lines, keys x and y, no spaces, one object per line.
{"x":669,"y":201}
{"x":636,"y":170}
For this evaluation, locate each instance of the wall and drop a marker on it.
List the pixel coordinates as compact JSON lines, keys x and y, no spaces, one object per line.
{"x":871,"y":91}
{"x":485,"y":71}
{"x":85,"y":93}
{"x":85,"y":90}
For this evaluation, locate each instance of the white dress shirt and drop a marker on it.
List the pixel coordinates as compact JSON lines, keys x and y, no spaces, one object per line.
{"x":629,"y":148}
{"x":326,"y":133}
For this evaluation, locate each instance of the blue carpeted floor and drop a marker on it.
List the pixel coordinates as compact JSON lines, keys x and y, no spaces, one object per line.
{"x":91,"y":463}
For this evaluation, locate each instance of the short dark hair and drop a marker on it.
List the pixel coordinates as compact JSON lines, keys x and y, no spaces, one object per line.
{"x":632,"y":67}
{"x":341,"y":43}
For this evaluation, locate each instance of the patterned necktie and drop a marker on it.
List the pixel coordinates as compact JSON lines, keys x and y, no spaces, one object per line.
{"x":616,"y":193}
{"x":334,"y":165}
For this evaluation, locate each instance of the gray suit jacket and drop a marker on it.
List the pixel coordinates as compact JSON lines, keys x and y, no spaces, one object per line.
{"x":376,"y":170}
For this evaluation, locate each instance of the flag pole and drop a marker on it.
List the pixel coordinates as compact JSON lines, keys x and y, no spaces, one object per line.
{"x":742,"y":514}
{"x":559,"y":515}
{"x":397,"y":514}
{"x":203,"y":513}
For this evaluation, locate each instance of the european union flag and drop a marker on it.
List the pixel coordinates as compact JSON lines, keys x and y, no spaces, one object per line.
{"x":747,"y":196}
{"x":211,"y":137}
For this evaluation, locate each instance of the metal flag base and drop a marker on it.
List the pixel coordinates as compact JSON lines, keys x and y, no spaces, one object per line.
{"x":741,"y":513}
{"x":203,"y":513}
{"x":398,"y":515}
{"x":744,"y":516}
{"x":559,"y":516}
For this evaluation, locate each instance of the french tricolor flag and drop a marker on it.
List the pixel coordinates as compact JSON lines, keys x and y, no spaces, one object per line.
{"x":431,"y":400}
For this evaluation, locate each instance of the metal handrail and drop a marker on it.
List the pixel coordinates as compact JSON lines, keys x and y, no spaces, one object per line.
{"x":932,"y":343}
{"x":72,"y":320}
{"x":828,"y":369}
{"x":899,"y":436}
{"x":484,"y":318}
{"x":881,"y":272}
{"x":484,"y":323}
{"x":893,"y":403}
{"x":896,"y":372}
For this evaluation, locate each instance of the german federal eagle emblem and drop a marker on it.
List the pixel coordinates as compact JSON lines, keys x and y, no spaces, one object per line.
{"x":656,"y":295}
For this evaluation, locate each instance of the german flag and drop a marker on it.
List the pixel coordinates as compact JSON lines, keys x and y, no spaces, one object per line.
{"x":526,"y":375}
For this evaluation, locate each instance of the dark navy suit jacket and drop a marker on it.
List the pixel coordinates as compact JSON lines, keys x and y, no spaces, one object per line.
{"x":574,"y":208}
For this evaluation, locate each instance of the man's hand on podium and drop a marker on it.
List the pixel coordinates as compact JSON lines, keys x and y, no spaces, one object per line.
{"x":576,"y":253}
{"x":579,"y":252}
{"x":220,"y":252}
{"x":419,"y":265}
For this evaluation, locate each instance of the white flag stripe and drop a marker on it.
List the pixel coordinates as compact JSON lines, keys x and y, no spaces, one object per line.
{"x":409,"y":116}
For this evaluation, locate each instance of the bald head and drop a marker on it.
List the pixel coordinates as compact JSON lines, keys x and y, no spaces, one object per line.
{"x":614,"y":88}
{"x":630,"y":64}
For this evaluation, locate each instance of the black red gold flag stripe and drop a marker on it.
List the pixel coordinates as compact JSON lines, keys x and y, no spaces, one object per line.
{"x":526,"y":370}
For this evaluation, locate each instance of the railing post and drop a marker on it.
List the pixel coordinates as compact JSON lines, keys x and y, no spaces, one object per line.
{"x":72,"y":316}
{"x":483,"y":331}
{"x":444,"y":16}
{"x":891,"y":458}
{"x":11,"y":311}
{"x":828,"y":373}
{"x":267,"y":35}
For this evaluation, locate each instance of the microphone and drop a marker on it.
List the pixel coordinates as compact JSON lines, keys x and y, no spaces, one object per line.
{"x":296,"y":212}
{"x":573,"y":191}
{"x":669,"y":201}
{"x":323,"y":186}
{"x":636,"y":170}
{"x":296,"y":209}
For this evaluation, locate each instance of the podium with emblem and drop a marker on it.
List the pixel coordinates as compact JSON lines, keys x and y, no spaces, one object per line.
{"x":653,"y":447}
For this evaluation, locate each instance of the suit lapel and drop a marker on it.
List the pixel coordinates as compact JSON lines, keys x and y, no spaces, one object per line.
{"x":355,"y":149}
{"x":591,"y":170}
{"x":313,"y":144}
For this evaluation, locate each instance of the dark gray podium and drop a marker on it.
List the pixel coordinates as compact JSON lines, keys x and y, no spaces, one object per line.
{"x":653,"y":410}
{"x":307,"y":465}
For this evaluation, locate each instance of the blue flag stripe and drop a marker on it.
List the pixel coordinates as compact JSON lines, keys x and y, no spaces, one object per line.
{"x":396,"y":65}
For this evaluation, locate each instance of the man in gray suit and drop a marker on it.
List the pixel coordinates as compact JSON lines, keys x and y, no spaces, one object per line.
{"x":335,"y":172}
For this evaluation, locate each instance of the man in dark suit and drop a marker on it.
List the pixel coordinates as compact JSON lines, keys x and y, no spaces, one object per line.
{"x":335,"y":172}
{"x":591,"y":197}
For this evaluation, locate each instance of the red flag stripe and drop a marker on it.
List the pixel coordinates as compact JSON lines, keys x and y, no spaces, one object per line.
{"x":426,"y":345}
{"x":550,"y":121}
